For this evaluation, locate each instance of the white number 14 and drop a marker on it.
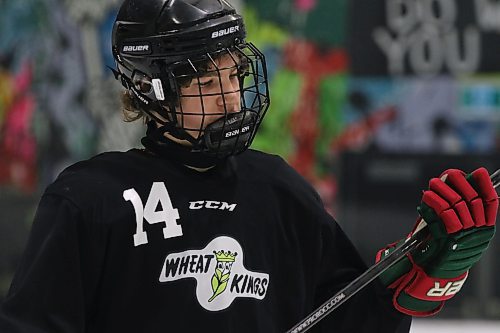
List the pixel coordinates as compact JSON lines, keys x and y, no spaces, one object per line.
{"x":167,"y":214}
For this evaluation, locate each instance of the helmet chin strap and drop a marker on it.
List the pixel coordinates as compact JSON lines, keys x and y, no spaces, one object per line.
{"x":156,"y":142}
{"x":158,"y":128}
{"x":229,"y":135}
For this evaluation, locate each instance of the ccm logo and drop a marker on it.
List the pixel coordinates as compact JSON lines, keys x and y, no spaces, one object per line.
{"x":212,"y":205}
{"x":135,"y":48}
{"x":224,"y":32}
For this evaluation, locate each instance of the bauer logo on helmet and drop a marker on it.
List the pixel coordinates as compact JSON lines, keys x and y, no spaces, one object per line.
{"x":224,"y":32}
{"x":137,"y":49}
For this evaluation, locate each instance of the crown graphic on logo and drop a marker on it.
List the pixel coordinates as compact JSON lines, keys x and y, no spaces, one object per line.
{"x":225,"y":256}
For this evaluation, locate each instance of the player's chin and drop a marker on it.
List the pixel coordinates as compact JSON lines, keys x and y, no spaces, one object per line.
{"x":197,"y":132}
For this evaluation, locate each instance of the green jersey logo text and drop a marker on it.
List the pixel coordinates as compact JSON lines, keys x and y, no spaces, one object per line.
{"x":219,"y":272}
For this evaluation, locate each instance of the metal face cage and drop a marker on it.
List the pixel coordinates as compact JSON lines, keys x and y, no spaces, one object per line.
{"x":221,"y":98}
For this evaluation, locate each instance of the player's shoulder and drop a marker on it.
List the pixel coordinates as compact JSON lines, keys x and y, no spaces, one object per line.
{"x":94,"y":176}
{"x":265,"y":164}
{"x":102,"y":166}
{"x":272,"y":169}
{"x":254,"y":157}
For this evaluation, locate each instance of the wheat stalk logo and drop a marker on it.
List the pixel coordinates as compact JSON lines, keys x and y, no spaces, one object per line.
{"x":220,"y":278}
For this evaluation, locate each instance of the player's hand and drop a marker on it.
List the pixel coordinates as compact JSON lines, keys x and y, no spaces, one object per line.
{"x":460,"y":211}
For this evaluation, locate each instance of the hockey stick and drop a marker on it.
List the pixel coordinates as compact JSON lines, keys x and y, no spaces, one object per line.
{"x":369,"y":275}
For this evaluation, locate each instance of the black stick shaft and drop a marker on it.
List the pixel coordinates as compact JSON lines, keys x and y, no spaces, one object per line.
{"x":368,"y":276}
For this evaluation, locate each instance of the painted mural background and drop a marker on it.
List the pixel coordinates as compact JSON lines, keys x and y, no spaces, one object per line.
{"x":398,"y":81}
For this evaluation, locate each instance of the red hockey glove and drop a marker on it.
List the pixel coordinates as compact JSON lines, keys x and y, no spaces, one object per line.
{"x":460,"y":211}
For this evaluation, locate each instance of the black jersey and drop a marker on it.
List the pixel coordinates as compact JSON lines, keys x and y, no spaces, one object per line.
{"x":131,"y":242}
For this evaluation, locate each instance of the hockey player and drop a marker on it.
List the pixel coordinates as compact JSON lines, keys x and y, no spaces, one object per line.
{"x":198,"y":233}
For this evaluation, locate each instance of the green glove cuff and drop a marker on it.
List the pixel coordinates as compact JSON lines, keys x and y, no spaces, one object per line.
{"x":418,"y":305}
{"x":396,"y":271}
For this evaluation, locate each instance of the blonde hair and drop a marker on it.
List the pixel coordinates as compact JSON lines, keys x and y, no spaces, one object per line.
{"x":129,"y":109}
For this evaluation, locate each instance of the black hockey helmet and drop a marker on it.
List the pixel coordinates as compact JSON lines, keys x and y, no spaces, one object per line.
{"x":162,"y":46}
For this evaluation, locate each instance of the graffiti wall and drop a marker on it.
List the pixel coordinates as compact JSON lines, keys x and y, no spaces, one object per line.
{"x":394,"y":75}
{"x":58,"y":104}
{"x":390,"y":76}
{"x":440,"y":58}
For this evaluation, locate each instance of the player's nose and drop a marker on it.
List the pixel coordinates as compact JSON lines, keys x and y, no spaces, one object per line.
{"x":229,"y":99}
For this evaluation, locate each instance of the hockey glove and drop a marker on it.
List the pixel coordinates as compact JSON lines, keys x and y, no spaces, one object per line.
{"x":460,"y":211}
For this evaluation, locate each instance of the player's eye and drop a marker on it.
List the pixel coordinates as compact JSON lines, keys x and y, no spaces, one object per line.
{"x":205,"y":83}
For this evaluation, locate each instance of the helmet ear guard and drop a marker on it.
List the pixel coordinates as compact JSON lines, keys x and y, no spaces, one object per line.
{"x":149,"y":94}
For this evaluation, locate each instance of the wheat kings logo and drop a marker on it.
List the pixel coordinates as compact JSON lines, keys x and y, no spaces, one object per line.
{"x":219,"y":273}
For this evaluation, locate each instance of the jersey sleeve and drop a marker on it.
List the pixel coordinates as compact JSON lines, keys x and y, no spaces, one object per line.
{"x":55,"y":283}
{"x":370,"y":310}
